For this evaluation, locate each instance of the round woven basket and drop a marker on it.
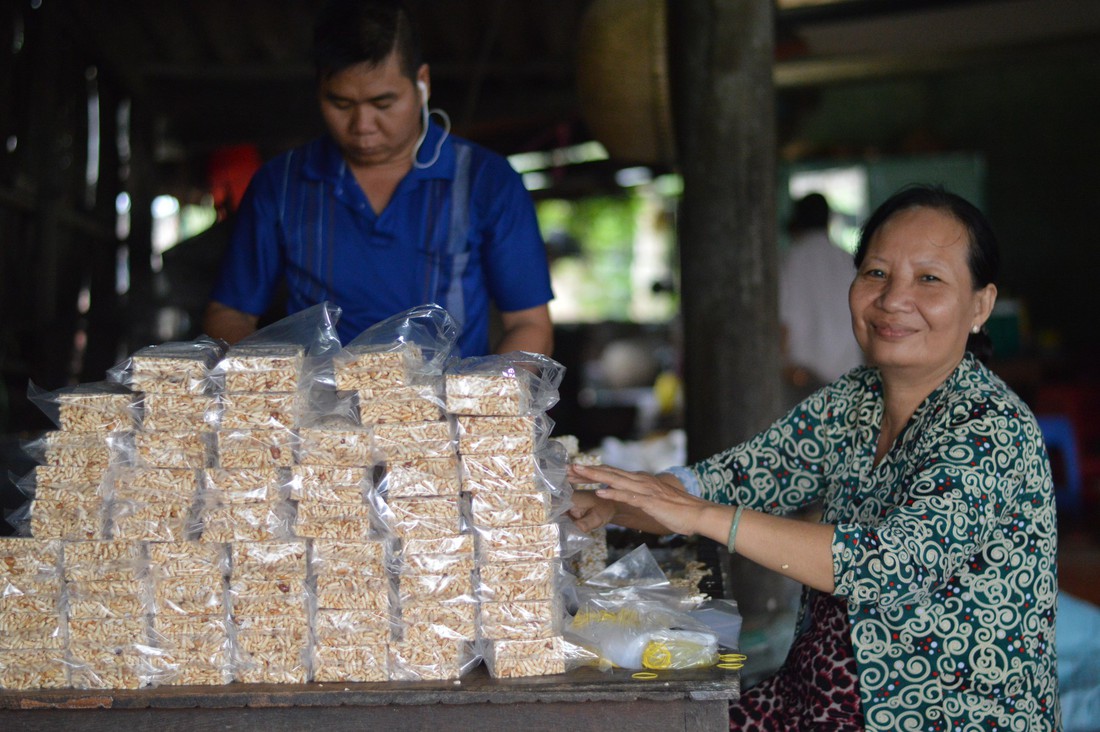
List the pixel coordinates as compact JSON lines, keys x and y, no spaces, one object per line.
{"x":622,"y":78}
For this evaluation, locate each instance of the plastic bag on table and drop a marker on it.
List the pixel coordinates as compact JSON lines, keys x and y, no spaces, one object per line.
{"x":508,"y":384}
{"x":632,"y":617}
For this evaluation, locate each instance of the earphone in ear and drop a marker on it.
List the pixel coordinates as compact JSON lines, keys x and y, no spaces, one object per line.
{"x":423,"y":87}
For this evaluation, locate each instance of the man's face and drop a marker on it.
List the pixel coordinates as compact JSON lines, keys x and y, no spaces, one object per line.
{"x":373,"y":112}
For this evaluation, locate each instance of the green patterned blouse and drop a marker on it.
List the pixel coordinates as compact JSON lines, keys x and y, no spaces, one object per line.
{"x":945,"y":551}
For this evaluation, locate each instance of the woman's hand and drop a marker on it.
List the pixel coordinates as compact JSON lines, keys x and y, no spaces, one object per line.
{"x":590,"y":512}
{"x":637,"y":500}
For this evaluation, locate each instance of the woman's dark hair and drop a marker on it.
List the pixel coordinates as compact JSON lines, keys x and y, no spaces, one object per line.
{"x":348,"y":32}
{"x":984,"y":258}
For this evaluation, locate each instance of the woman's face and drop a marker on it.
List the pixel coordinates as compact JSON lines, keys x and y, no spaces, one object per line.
{"x":913,"y":300}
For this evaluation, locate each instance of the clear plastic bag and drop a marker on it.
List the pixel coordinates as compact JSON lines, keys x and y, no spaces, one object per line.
{"x":509,"y":384}
{"x":176,"y":367}
{"x":631,"y":617}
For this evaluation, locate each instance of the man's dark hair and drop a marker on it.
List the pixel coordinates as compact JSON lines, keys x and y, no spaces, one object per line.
{"x":811,"y":212}
{"x":349,"y":32}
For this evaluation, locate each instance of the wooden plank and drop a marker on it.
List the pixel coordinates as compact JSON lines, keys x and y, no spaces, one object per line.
{"x":637,"y":716}
{"x":582,"y":699}
{"x":581,"y":685}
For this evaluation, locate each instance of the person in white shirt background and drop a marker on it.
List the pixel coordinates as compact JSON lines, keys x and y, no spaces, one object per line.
{"x":814,"y":276}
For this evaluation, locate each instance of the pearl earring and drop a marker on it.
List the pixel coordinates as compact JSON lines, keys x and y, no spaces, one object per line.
{"x":975,"y":329}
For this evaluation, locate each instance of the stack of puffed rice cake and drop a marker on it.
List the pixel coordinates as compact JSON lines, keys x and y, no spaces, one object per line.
{"x":244,"y":497}
{"x":420,"y":508}
{"x":508,"y":475}
{"x":32,"y":641}
{"x":72,"y":485}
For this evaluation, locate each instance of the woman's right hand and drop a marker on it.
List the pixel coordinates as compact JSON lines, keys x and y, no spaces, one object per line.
{"x":590,"y":512}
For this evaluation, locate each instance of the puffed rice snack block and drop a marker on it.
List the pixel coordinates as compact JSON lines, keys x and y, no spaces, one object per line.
{"x":348,"y":447}
{"x":401,"y":441}
{"x":335,"y":627}
{"x":269,"y":559}
{"x":453,"y":564}
{"x":492,"y":509}
{"x":174,"y":449}
{"x":187,"y":559}
{"x":33,"y":669}
{"x":520,"y":620}
{"x":83,"y":478}
{"x":180,"y":412}
{"x":454,"y":620}
{"x":103,"y":560}
{"x":107,"y":599}
{"x":425,"y":477}
{"x":282,"y":632}
{"x":247,"y":522}
{"x":346,"y":529}
{"x":242,"y":410}
{"x":497,"y":435}
{"x":516,"y":469}
{"x":96,"y":410}
{"x":176,"y":367}
{"x":329,"y":483}
{"x":101,"y":632}
{"x":154,"y":485}
{"x":519,"y":581}
{"x":26,"y":557}
{"x":400,"y":404}
{"x":91,"y":449}
{"x":488,"y":394}
{"x":504,"y":544}
{"x":243,"y":485}
{"x":29,"y":626}
{"x":441,"y":544}
{"x":430,"y":659}
{"x":263,"y":368}
{"x":28,"y":594}
{"x":338,"y":592}
{"x":26,"y":631}
{"x":335,"y":557}
{"x":413,"y":588}
{"x":61,"y":519}
{"x":256,"y":448}
{"x":194,"y":596}
{"x":144,"y":521}
{"x":424,"y":516}
{"x":94,"y":667}
{"x":262,"y":598}
{"x":517,"y":658}
{"x":361,"y":663}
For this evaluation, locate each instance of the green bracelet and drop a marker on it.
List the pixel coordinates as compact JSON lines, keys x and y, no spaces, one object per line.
{"x":733,"y":529}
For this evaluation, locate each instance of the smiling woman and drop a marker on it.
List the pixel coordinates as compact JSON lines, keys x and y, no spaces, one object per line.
{"x":931,"y":580}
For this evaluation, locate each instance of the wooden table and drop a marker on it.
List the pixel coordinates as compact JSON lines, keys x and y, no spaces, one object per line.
{"x":582,"y":700}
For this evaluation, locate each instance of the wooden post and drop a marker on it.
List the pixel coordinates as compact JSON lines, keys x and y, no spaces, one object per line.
{"x":721,"y":76}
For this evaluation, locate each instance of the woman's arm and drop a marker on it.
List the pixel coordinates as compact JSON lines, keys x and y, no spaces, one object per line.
{"x":659,"y":504}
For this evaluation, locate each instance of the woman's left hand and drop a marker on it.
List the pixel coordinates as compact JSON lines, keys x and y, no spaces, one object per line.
{"x":661,"y":498}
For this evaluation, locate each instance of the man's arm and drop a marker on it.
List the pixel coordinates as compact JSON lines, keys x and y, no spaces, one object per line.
{"x":527,"y":330}
{"x":229,"y":324}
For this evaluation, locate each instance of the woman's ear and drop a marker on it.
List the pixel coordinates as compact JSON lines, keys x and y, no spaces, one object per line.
{"x":987,"y":297}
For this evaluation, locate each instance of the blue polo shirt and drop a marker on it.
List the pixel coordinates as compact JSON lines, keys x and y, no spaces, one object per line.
{"x":305,"y":220}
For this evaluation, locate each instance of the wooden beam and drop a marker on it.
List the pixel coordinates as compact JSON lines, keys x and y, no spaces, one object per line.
{"x":721,"y":74}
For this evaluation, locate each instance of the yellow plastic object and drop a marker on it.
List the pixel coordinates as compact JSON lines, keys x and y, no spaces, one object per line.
{"x":677,"y":652}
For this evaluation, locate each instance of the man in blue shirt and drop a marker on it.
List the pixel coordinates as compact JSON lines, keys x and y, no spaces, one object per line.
{"x":388,"y":211}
